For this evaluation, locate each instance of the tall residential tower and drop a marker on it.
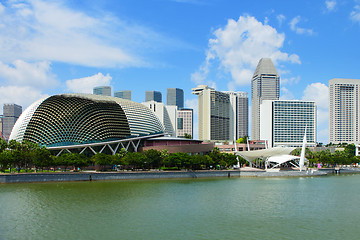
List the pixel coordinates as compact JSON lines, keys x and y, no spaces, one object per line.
{"x":265,"y":85}
{"x":344,"y":99}
{"x":214,"y":113}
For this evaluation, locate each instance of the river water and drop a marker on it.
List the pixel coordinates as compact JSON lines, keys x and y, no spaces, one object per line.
{"x":235,"y":208}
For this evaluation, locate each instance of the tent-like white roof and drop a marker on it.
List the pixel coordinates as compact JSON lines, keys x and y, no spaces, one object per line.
{"x":265,"y":153}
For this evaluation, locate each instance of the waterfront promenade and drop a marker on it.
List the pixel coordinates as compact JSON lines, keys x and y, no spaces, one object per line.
{"x":127,"y":175}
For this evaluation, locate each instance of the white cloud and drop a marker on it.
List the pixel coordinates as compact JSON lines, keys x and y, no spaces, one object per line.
{"x":239,"y":46}
{"x":330,"y":5}
{"x":355,"y":14}
{"x":293,"y":26}
{"x":289,"y":81}
{"x":36,"y":30}
{"x":23,"y":96}
{"x":281,"y":18}
{"x":319,"y":93}
{"x":86,"y":84}
{"x":21,"y":73}
{"x":286,"y":94}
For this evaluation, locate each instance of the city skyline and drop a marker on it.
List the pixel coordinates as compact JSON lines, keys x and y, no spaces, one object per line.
{"x":64,"y":47}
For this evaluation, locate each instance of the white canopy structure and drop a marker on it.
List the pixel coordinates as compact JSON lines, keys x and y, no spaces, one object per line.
{"x":250,"y":156}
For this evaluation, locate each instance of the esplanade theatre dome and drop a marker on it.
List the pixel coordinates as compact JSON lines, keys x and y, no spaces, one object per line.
{"x":73,"y":119}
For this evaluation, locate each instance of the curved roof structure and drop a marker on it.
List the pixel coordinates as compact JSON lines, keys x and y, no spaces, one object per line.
{"x":73,"y":119}
{"x":265,"y":153}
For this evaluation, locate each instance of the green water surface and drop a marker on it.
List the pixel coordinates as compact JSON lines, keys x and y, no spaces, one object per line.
{"x":235,"y":208}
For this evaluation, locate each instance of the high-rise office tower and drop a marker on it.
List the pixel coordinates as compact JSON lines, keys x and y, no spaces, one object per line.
{"x":185,"y":122}
{"x":239,"y":114}
{"x":175,"y":96}
{"x":153,"y":96}
{"x":125,"y":94}
{"x":265,"y":85}
{"x":214,"y":113}
{"x":11,"y":113}
{"x":344,"y":99}
{"x":102,"y":90}
{"x":283,"y":122}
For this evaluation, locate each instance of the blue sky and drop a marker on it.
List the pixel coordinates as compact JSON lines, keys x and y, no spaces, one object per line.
{"x":51,"y":47}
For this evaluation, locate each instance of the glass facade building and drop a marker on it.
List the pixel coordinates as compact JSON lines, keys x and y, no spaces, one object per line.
{"x":11,"y":113}
{"x":175,"y":96}
{"x":124,"y":94}
{"x":102,"y":90}
{"x":153,"y":96}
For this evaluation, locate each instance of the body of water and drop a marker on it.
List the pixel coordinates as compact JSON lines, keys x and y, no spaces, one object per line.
{"x":235,"y":208}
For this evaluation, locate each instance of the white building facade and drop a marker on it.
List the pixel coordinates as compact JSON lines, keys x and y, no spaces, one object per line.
{"x":185,"y":122}
{"x":344,"y":109}
{"x":283,"y":122}
{"x":168,"y":116}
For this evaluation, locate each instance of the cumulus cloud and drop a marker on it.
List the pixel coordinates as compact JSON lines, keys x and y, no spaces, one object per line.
{"x":23,"y":96}
{"x":355,"y":14}
{"x":36,"y":30}
{"x":86,"y":84}
{"x":294,"y":27}
{"x":319,"y":93}
{"x":330,"y":5}
{"x":286,"y":94}
{"x":239,"y":46}
{"x":289,"y":81}
{"x":21,"y":73}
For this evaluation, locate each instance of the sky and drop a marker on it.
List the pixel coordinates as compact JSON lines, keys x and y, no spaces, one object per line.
{"x":63,"y":46}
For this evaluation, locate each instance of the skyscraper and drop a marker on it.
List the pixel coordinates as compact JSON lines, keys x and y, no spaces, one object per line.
{"x":125,"y":94}
{"x":344,"y":99}
{"x":214,"y":113}
{"x":153,"y":96}
{"x":175,"y":96}
{"x":11,"y":113}
{"x":102,"y":90}
{"x":239,"y":114}
{"x":283,"y":122}
{"x":265,"y":85}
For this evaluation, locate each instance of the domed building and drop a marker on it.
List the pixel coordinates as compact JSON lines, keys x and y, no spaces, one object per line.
{"x":86,"y":122}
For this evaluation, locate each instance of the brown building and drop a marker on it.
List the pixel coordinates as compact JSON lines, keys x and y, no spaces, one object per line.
{"x":174,"y":145}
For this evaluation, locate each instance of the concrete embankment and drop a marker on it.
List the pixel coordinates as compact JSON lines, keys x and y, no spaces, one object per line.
{"x":96,"y":176}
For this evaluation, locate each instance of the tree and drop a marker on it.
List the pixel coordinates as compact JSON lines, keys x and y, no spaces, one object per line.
{"x":242,"y":139}
{"x":135,"y":159}
{"x":41,"y":157}
{"x":153,"y":158}
{"x":6,"y":160}
{"x":188,"y":136}
{"x":102,"y":159}
{"x":3,"y":145}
